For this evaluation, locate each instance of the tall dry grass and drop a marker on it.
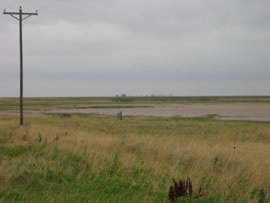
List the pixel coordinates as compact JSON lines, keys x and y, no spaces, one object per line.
{"x":228,"y":158}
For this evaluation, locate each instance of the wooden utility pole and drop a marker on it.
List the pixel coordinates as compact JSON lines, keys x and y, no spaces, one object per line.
{"x":21,"y":16}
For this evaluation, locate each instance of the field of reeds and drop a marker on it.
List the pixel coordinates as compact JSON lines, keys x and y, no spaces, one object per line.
{"x":87,"y":158}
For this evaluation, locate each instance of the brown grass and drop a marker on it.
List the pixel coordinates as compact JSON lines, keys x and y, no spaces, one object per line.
{"x":210,"y":160}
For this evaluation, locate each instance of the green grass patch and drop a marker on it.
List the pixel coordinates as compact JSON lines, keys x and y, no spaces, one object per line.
{"x":14,"y":151}
{"x":75,"y":181}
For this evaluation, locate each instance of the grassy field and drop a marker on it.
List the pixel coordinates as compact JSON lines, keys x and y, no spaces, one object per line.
{"x":88,"y":158}
{"x":72,"y":102}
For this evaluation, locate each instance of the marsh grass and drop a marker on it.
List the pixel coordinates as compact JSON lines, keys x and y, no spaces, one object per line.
{"x":99,"y":159}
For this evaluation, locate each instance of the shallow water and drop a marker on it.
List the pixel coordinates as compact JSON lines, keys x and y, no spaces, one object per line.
{"x":230,"y":111}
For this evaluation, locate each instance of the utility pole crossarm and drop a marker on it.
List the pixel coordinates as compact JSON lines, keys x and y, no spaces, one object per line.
{"x":21,"y":16}
{"x":13,"y":14}
{"x":18,"y":13}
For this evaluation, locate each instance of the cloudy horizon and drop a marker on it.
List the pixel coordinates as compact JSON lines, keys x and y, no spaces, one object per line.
{"x":151,"y":47}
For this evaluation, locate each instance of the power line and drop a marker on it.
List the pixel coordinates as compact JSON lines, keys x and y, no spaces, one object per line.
{"x":20,"y":16}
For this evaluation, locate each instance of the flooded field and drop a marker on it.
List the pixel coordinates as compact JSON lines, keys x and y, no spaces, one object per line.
{"x":245,"y":111}
{"x":230,"y":111}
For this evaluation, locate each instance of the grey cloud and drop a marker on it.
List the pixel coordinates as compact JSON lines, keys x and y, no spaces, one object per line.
{"x":169,"y":43}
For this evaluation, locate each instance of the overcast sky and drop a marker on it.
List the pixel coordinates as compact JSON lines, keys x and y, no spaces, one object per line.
{"x":137,"y":47}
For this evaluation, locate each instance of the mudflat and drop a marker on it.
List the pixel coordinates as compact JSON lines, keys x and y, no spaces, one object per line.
{"x":226,"y":111}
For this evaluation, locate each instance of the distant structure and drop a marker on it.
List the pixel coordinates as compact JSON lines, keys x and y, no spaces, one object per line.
{"x":121,"y":95}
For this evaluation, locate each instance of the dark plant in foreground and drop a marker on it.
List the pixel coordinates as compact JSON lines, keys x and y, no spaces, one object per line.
{"x":261,"y":196}
{"x":183,"y":188}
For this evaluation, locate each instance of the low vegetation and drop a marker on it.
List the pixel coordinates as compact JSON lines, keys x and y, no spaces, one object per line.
{"x":69,"y":102}
{"x":81,"y":158}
